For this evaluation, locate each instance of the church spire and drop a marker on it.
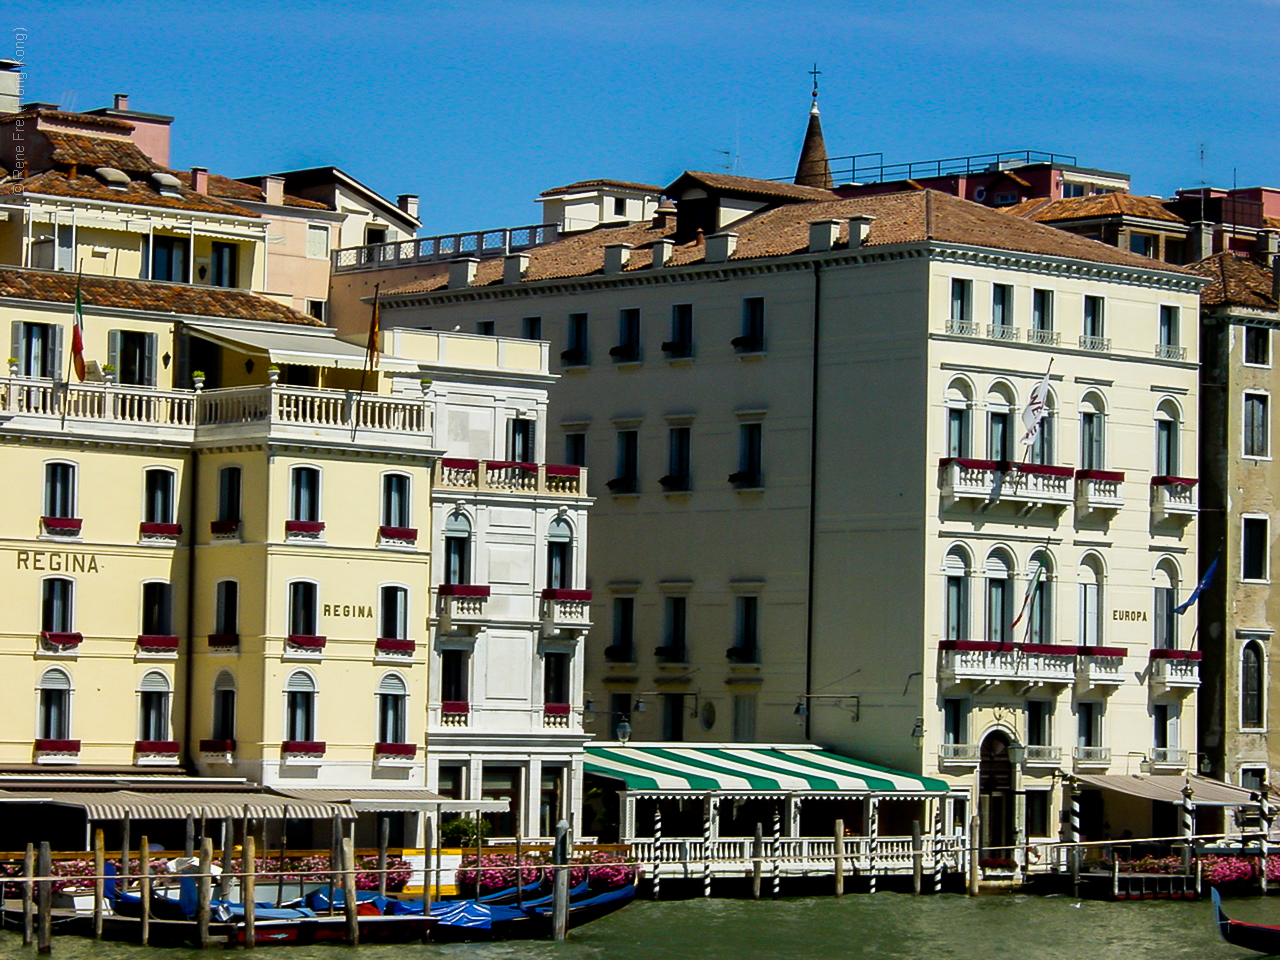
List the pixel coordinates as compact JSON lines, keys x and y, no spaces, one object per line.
{"x":813,"y":170}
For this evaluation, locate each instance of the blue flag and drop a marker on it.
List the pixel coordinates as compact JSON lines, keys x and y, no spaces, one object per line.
{"x":1201,"y":587}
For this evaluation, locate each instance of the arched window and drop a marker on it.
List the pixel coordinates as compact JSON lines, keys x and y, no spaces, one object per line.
{"x":1252,"y":680}
{"x":55,"y":705}
{"x":1040,"y":608}
{"x":1168,"y":429}
{"x":305,"y":494}
{"x":1000,"y":436}
{"x":560,"y":554}
{"x":457,"y":548}
{"x":153,"y":706}
{"x":1043,"y":446}
{"x":999,"y":571}
{"x":60,"y":489}
{"x":393,"y":697}
{"x":1165,"y":601}
{"x":1091,"y":579}
{"x":395,"y":500}
{"x":158,"y":496}
{"x":956,"y":570}
{"x":959,"y":401}
{"x":300,"y":707}
{"x":224,"y":706}
{"x":1092,"y":432}
{"x":157,"y":609}
{"x":304,"y":602}
{"x":57,"y":596}
{"x":394,"y":619}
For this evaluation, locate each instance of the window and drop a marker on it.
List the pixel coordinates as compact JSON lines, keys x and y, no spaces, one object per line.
{"x":504,"y":783}
{"x":619,"y":712}
{"x":305,"y":500}
{"x":1001,"y":305}
{"x":300,"y":707}
{"x":746,"y":630}
{"x":1253,"y":548}
{"x":1256,"y":425}
{"x":55,"y":705}
{"x":1257,"y":346}
{"x":1094,"y":319}
{"x":457,"y":548}
{"x":153,"y":707}
{"x":38,"y":347}
{"x":1042,"y":447}
{"x":744,"y":717}
{"x":393,"y":699}
{"x":628,"y":348}
{"x":374,"y":235}
{"x":955,"y":720}
{"x":317,"y":240}
{"x":520,"y":441}
{"x":133,"y":354}
{"x":394,"y":621}
{"x":677,"y":477}
{"x":1090,"y":586}
{"x":1088,"y":723}
{"x":1037,"y":813}
{"x":999,"y":424}
{"x":1167,"y":452}
{"x":229,"y":494}
{"x":1168,"y":329}
{"x":555,"y":677}
{"x":1252,"y":680}
{"x":575,"y":449}
{"x":1042,"y":311}
{"x":169,"y":259}
{"x":225,"y":255}
{"x":395,"y":500}
{"x":66,"y":255}
{"x":956,"y":571}
{"x":999,"y":599}
{"x":57,"y":595}
{"x":60,"y":490}
{"x":224,"y":707}
{"x":674,"y":647}
{"x":1040,"y":614}
{"x":622,"y":648}
{"x":560,"y":554}
{"x":1164,"y":717}
{"x":1092,"y":434}
{"x":158,"y":505}
{"x":672,"y":717}
{"x":157,"y":609}
{"x":1253,"y":778}
{"x":303,"y":597}
{"x":485,"y":328}
{"x":681,"y":342}
{"x":959,"y":399}
{"x":316,"y":310}
{"x":1143,"y":244}
{"x":226,"y":616}
{"x":1165,"y":619}
{"x":453,"y":676}
{"x":961,"y":304}
{"x":752,"y":339}
{"x":750,"y":437}
{"x":1073,"y":190}
{"x":575,"y":350}
{"x":1039,"y":723}
{"x":551,"y":800}
{"x":627,"y":479}
{"x":531,"y":328}
{"x":619,"y":206}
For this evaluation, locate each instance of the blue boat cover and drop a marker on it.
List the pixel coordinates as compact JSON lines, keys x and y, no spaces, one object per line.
{"x":476,"y":916}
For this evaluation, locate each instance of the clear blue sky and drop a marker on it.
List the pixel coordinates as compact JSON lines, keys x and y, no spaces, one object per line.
{"x":478,"y":106}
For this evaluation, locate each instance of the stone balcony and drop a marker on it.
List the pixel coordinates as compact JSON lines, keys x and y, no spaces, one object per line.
{"x":984,"y":483}
{"x":1040,"y":756}
{"x":1100,"y":667}
{"x":1175,"y":671}
{"x":1092,"y":758}
{"x":1174,"y":498}
{"x":1167,"y":759}
{"x":987,"y":662}
{"x":462,"y":606}
{"x":511,"y":477}
{"x":564,"y":612}
{"x":271,"y":411}
{"x":1099,"y":490}
{"x":959,"y":754}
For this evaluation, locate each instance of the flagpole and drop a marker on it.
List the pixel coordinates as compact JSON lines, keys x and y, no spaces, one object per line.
{"x":368,"y":359}
{"x":71,"y":354}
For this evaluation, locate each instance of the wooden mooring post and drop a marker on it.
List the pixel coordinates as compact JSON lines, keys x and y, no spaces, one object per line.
{"x":204,"y":893}
{"x":838,"y":859}
{"x":28,"y":895}
{"x":560,"y":891}
{"x":249,"y":887}
{"x":917,"y":857}
{"x":757,"y":857}
{"x":44,"y":901}
{"x":384,"y":837}
{"x":975,"y":840}
{"x":350,"y":904}
{"x":430,"y":878}
{"x":228,"y":841}
{"x":144,"y":885}
{"x":99,"y":885}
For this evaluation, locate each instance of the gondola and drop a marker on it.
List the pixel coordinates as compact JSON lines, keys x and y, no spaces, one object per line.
{"x":1249,"y":936}
{"x":469,"y":921}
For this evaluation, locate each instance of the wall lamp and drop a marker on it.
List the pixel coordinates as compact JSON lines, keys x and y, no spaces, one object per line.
{"x":840,"y":699}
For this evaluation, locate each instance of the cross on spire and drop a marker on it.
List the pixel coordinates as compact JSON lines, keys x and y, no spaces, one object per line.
{"x":815,"y":73}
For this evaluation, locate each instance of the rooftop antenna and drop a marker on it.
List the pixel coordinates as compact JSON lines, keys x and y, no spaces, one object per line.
{"x":1204,"y":184}
{"x":729,"y":160}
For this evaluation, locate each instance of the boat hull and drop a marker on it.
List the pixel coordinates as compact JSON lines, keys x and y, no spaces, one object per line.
{"x":1248,"y":936}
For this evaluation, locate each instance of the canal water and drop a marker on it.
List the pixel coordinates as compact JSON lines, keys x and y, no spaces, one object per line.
{"x":885,"y":926}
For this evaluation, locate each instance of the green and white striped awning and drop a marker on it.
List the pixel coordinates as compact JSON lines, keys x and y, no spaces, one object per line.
{"x":750,"y":770}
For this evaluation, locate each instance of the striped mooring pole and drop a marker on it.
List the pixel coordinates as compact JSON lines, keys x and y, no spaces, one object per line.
{"x":1264,"y":842}
{"x":777,"y":852}
{"x":657,"y":852}
{"x":1188,"y":825}
{"x":937,"y":848}
{"x":706,"y":849}
{"x":873,"y":843}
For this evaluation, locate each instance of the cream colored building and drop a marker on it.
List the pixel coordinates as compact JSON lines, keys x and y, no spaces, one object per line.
{"x":815,"y":521}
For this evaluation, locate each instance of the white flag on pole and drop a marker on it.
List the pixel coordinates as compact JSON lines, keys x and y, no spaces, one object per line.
{"x":1036,"y":410}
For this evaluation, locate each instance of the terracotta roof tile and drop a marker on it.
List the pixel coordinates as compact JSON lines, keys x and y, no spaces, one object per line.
{"x":588,"y":184}
{"x":73,"y":148}
{"x":1044,"y":210}
{"x":900,"y":218}
{"x":58,"y":184}
{"x":749,"y":185}
{"x":229,"y":189}
{"x":48,"y":286}
{"x":1234,"y":282}
{"x":66,"y":116}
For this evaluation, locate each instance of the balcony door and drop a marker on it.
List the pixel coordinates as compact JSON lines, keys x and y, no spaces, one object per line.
{"x":995,"y":796}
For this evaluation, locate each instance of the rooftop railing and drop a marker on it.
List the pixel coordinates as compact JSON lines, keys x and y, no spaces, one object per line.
{"x":449,"y":246}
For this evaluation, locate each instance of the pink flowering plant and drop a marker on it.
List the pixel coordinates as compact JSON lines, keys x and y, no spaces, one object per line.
{"x":605,"y":870}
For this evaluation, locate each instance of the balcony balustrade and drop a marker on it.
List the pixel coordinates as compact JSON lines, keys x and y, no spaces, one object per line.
{"x":983,"y":483}
{"x":505,"y":476}
{"x":54,"y":751}
{"x":455,"y":713}
{"x":1171,"y":757}
{"x":1092,"y":758}
{"x":1100,"y":666}
{"x":959,"y":754}
{"x":985,"y":661}
{"x":1174,"y":498}
{"x":1098,"y":490}
{"x":461,"y":605}
{"x":1175,"y":670}
{"x":415,"y":250}
{"x":564,"y":610}
{"x":1040,"y":755}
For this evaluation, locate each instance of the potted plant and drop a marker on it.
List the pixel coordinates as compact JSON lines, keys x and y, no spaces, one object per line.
{"x":273,"y":373}
{"x":109,"y":372}
{"x":13,"y":366}
{"x":197,"y":378}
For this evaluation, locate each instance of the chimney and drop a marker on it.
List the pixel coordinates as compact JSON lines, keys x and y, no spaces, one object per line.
{"x":616,"y":256}
{"x":122,"y":101}
{"x":462,"y":272}
{"x":514,"y":266}
{"x":1267,"y":246}
{"x":859,"y":229}
{"x":10,"y":86}
{"x":200,"y":180}
{"x":720,"y":246}
{"x":273,"y":190}
{"x":823,"y":235}
{"x":665,"y":215}
{"x":1275,"y":280}
{"x":662,"y":252}
{"x":408,"y":202}
{"x":1201,"y":240}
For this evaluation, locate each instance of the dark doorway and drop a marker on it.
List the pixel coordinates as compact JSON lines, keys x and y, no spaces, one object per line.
{"x":995,"y":797}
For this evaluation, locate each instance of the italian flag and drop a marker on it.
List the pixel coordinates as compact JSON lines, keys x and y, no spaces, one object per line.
{"x":1036,"y":577}
{"x":77,"y":336}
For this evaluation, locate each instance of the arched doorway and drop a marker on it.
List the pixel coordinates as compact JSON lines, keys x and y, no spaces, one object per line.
{"x":995,"y":796}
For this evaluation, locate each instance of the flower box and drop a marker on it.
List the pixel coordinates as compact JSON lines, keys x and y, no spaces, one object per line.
{"x":57,"y":746}
{"x":1162,"y":654}
{"x":1102,"y":651}
{"x":146,"y":642}
{"x":1112,"y":476}
{"x":511,"y":465}
{"x":224,"y":528}
{"x":406,"y":534}
{"x":306,"y":641}
{"x":556,"y":593}
{"x":167,"y":747}
{"x":217,"y":746}
{"x":308,"y":748}
{"x":146,"y":529}
{"x":309,"y":528}
{"x":556,"y":709}
{"x":62,"y":526}
{"x":55,"y":639}
{"x":457,"y":463}
{"x":455,"y":706}
{"x":1167,"y":481}
{"x":395,"y":749}
{"x":224,"y":640}
{"x":976,"y":646}
{"x":562,"y":470}
{"x":464,"y":590}
{"x":392,"y":645}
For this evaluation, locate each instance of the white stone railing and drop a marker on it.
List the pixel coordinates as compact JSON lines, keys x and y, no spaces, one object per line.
{"x":505,"y":476}
{"x":1092,"y":756}
{"x":1100,"y":666}
{"x":1180,"y":672}
{"x":991,"y":481}
{"x":1099,"y":490}
{"x":1174,"y":496}
{"x":983,"y":661}
{"x":684,"y":857}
